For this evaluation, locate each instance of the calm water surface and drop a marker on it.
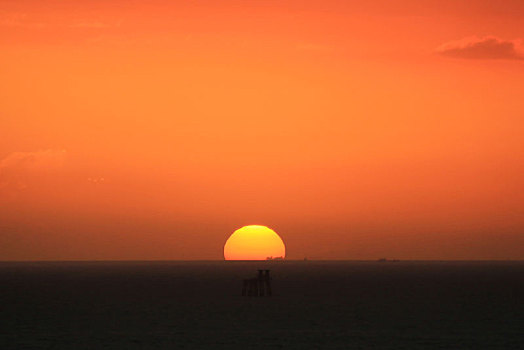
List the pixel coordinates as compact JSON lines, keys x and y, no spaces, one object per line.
{"x":316,"y":305}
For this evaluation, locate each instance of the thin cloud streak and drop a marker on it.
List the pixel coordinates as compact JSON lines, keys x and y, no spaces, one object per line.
{"x":489,"y":47}
{"x":18,"y":169}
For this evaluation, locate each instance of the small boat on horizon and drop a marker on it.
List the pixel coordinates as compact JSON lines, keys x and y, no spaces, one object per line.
{"x":387,"y":260}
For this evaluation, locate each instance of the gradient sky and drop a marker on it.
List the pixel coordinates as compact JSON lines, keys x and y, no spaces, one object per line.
{"x":354,"y":129}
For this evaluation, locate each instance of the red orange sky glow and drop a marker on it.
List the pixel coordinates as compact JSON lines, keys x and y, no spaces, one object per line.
{"x":354,"y":129}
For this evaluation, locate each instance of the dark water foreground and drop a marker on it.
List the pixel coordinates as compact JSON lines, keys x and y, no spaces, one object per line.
{"x":316,"y":305}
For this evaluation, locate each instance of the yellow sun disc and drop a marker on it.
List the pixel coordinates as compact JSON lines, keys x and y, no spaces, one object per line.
{"x":254,"y":242}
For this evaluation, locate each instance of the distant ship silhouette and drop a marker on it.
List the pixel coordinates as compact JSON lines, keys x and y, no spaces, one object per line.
{"x":387,"y":260}
{"x":275,"y":258}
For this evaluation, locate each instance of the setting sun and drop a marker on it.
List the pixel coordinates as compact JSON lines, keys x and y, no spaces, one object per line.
{"x":254,"y":242}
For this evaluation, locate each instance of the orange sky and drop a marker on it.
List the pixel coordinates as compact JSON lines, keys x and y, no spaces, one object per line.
{"x":356,"y":130}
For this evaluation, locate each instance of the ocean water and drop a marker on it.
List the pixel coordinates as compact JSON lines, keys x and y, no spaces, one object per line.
{"x":315,"y":305}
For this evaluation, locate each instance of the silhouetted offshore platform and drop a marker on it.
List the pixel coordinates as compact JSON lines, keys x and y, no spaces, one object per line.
{"x":258,"y":286}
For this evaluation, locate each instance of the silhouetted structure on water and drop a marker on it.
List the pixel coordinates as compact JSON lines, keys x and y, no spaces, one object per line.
{"x":258,"y":286}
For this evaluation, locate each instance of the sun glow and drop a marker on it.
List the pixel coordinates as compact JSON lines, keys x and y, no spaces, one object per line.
{"x":254,"y":242}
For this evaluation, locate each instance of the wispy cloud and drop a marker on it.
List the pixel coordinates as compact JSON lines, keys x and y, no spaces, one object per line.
{"x":311,"y":47}
{"x":489,"y":47}
{"x":33,"y":160}
{"x":96,"y":24}
{"x":18,"y":169}
{"x":23,"y":20}
{"x":18,"y":20}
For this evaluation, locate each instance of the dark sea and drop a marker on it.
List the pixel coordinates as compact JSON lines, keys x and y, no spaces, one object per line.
{"x":315,"y":305}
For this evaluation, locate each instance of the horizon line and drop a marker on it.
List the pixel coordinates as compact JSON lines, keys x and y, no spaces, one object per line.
{"x":269,"y":261}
